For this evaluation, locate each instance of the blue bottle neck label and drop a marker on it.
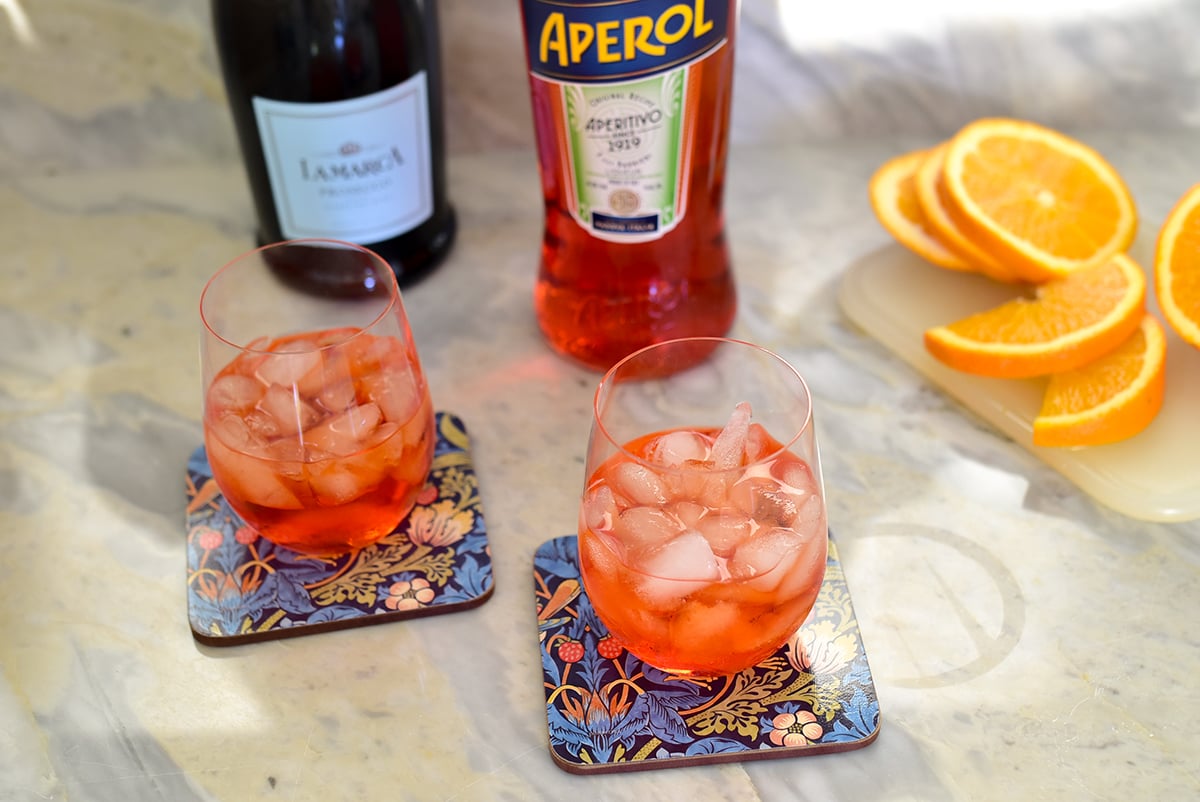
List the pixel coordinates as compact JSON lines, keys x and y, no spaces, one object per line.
{"x":602,"y":41}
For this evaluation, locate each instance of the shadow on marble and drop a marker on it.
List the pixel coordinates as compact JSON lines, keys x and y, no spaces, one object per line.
{"x":91,"y":84}
{"x":928,"y":67}
{"x":807,"y":72}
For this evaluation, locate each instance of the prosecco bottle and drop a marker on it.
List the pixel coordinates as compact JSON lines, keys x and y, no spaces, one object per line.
{"x":338,"y":111}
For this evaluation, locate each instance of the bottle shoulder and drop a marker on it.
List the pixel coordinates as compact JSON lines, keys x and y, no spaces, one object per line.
{"x":317,"y":50}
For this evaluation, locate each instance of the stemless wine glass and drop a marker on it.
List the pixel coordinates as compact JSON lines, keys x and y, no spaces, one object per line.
{"x":702,"y":527}
{"x":318,"y":423}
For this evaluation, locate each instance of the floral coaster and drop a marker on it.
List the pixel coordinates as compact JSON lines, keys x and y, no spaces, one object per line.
{"x":607,"y":711}
{"x":243,"y":588}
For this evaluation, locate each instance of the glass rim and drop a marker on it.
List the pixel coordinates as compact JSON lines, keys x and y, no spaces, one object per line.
{"x":608,"y":380}
{"x":393,"y":296}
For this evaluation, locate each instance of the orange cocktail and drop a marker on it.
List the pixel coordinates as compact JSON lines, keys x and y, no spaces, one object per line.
{"x":703,"y":548}
{"x":321,"y":438}
{"x":335,"y":464}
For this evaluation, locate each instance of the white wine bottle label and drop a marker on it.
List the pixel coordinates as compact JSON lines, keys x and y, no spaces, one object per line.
{"x":358,"y":170}
{"x":627,"y":118}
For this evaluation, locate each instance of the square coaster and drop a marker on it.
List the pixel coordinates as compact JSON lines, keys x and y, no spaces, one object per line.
{"x":607,"y":711}
{"x":243,"y":588}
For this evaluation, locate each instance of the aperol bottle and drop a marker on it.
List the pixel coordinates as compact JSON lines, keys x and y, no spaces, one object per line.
{"x":631,"y":109}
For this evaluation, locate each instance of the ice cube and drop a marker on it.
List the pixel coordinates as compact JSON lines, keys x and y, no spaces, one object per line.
{"x":713,"y":488}
{"x":337,"y":396}
{"x":262,"y":427}
{"x":369,"y":353}
{"x":754,"y":560}
{"x":599,"y":553}
{"x":730,"y":445}
{"x":291,"y":413}
{"x":391,"y":447}
{"x":766,"y":501}
{"x":264,"y":487}
{"x":289,"y":363}
{"x":598,"y":512}
{"x":810,"y":517}
{"x":688,"y":480}
{"x":233,"y":432}
{"x":394,"y":390}
{"x":386,"y":454}
{"x":405,"y":450}
{"x":336,"y":484}
{"x":805,"y":567}
{"x":233,"y":392}
{"x":415,"y":459}
{"x":642,"y":529}
{"x":347,"y":432}
{"x":758,"y":443}
{"x":678,"y":567}
{"x":795,"y":474}
{"x":707,"y":623}
{"x":677,"y":448}
{"x":332,"y":370}
{"x":724,"y":531}
{"x":238,"y":435}
{"x":638,"y":483}
{"x":345,"y":477}
{"x":246,"y":478}
{"x":689,"y":513}
{"x":288,"y":456}
{"x":419,"y":429}
{"x":313,"y":453}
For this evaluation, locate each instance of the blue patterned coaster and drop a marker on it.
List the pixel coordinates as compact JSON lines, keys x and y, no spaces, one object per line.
{"x":243,"y":588}
{"x":608,"y":711}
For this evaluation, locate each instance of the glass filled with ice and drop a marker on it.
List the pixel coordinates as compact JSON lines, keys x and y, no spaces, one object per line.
{"x":318,"y":423}
{"x":702,"y":527}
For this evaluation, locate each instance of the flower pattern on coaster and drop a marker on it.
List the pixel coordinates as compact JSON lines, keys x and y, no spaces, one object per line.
{"x":606,"y":710}
{"x":241,"y":587}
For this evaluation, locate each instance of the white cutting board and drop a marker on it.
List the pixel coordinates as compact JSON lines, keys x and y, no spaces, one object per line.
{"x":895,"y":296}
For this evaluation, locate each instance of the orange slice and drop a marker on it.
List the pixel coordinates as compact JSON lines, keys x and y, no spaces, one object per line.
{"x":1177,"y":267}
{"x":1109,"y":399}
{"x":893,"y":197}
{"x":1069,"y":322}
{"x":1038,"y":201}
{"x":930,"y":195}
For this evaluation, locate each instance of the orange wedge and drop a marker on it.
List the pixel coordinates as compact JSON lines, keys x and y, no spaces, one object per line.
{"x":1069,"y":322}
{"x":1177,"y":267}
{"x":1040,"y":202}
{"x":893,"y":197}
{"x":1110,"y":399}
{"x":930,"y":195}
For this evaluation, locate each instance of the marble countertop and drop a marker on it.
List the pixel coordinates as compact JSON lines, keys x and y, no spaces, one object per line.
{"x":1025,"y":641}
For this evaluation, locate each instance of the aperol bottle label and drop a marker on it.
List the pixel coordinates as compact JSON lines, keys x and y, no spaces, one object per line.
{"x":627,"y":107}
